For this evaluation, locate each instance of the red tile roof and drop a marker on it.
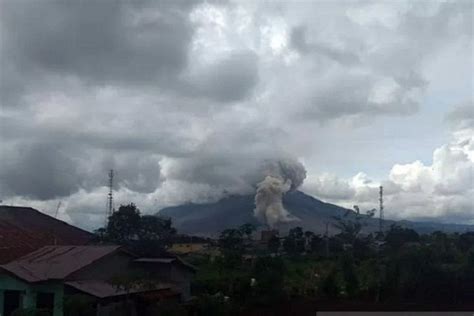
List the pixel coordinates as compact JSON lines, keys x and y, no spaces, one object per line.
{"x":56,"y":262}
{"x":24,"y":229}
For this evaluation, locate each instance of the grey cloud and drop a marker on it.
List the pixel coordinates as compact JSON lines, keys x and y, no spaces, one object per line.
{"x":462,"y":116}
{"x":44,"y":170}
{"x":101,"y":42}
{"x":134,"y":171}
{"x":119,"y":85}
{"x":329,"y":187}
{"x":122,"y":140}
{"x":351,"y":95}
{"x":41,"y":171}
{"x":231,"y":158}
{"x":298,"y":40}
{"x":231,"y":79}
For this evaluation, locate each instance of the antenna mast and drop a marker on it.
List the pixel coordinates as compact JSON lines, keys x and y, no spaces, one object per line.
{"x":57,"y":209}
{"x":110,"y":206}
{"x":381,"y":215}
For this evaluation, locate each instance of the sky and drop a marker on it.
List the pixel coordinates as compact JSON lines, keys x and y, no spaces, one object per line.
{"x":186,"y":100}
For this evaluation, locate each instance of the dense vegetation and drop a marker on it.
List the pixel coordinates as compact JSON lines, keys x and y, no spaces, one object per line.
{"x":145,"y":235}
{"x":396,"y":269}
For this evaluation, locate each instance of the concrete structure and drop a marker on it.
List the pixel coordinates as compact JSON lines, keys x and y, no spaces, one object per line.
{"x":44,"y":278}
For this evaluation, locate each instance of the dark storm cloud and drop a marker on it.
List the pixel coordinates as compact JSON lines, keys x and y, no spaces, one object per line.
{"x":39,"y":172}
{"x":230,"y":79}
{"x":137,"y":173}
{"x":101,"y":42}
{"x":217,"y":162}
{"x":122,"y":140}
{"x":45,"y":170}
{"x":185,"y":99}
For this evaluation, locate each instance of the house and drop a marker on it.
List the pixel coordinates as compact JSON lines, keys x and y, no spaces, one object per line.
{"x":105,"y":275}
{"x":24,"y":229}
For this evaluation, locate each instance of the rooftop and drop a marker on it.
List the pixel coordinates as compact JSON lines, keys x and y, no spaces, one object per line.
{"x":56,"y":262}
{"x":24,"y":229}
{"x":103,"y":289}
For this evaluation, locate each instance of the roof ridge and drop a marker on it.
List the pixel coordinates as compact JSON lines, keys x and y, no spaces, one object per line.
{"x":55,"y":220}
{"x":52,"y":262}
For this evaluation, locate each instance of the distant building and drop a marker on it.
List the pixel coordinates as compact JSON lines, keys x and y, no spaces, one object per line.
{"x":267,"y":235}
{"x":48,"y":276}
{"x":24,"y":229}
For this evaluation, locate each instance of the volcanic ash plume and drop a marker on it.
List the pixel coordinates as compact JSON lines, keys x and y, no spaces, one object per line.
{"x":280,"y":177}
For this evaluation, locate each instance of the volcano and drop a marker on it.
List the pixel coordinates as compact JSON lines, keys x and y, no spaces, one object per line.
{"x":210,"y":219}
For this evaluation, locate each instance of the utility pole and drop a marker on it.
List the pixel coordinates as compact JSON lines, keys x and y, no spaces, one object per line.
{"x":57,"y":209}
{"x":379,"y":266}
{"x":110,"y":199}
{"x":381,"y":215}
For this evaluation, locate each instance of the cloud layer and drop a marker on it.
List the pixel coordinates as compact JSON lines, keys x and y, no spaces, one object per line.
{"x":186,"y":100}
{"x":441,"y":190}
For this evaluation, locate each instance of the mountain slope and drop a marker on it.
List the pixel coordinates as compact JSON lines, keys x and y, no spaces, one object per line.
{"x":209,"y":219}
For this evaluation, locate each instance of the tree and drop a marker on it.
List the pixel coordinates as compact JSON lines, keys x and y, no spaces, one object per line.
{"x":273,"y":244}
{"x":155,"y":228}
{"x":316,"y":244}
{"x":269,"y":275}
{"x":294,"y":242}
{"x":349,"y":275}
{"x":329,"y":286}
{"x":231,"y":240}
{"x":145,"y":235}
{"x":247,"y":229}
{"x":308,"y":236}
{"x":124,"y":224}
{"x":231,"y":245}
{"x":398,"y":236}
{"x":466,"y":241}
{"x":349,"y":230}
{"x":155,"y":234}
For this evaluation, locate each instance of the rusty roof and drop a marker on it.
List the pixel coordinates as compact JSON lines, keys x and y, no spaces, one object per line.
{"x":102,"y":289}
{"x":56,"y":262}
{"x":24,"y":229}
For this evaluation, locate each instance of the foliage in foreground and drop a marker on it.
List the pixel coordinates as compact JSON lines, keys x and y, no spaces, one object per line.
{"x":399,"y":267}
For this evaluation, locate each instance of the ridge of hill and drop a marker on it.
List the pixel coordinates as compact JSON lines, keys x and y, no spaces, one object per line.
{"x":209,"y":219}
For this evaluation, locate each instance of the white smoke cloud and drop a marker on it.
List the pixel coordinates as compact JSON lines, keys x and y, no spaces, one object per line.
{"x":280,"y":177}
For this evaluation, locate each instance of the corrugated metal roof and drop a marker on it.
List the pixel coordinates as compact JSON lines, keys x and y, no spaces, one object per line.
{"x":155,"y":260}
{"x":177,"y":260}
{"x":103,"y":289}
{"x":24,"y":229}
{"x":56,"y":262}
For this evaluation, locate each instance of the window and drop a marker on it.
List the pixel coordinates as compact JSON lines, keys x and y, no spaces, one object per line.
{"x":45,"y":301}
{"x":12,"y":301}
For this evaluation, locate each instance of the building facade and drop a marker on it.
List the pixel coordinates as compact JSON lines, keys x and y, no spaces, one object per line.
{"x":109,"y":276}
